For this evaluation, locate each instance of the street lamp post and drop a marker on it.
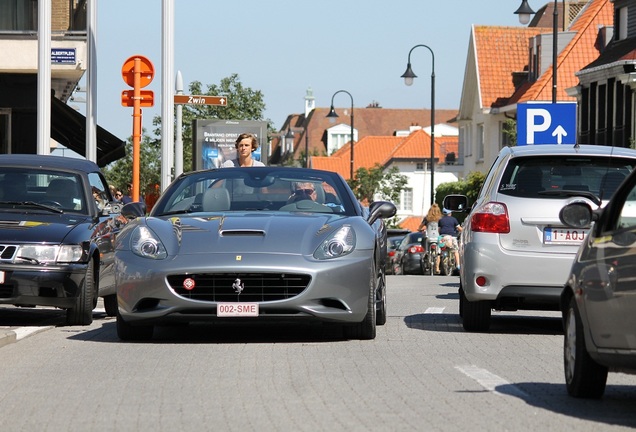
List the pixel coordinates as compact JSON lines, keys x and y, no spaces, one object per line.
{"x":524,"y":13}
{"x":288,"y":141}
{"x":408,"y":80}
{"x":332,"y":115}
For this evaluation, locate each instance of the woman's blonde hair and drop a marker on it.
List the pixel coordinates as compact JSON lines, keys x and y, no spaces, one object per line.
{"x":434,"y":213}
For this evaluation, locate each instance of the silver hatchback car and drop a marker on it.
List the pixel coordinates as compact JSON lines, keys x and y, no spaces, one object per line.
{"x":515,"y":252}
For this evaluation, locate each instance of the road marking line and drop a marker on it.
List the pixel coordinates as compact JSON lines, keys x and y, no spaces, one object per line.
{"x":491,"y":381}
{"x":434,"y":310}
{"x":22,"y":332}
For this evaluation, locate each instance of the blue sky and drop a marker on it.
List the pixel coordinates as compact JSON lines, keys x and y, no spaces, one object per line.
{"x":283,"y":47}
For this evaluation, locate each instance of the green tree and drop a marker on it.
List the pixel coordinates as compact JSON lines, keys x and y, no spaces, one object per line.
{"x":509,"y":129}
{"x":389,"y":184}
{"x":243,"y":103}
{"x":369,"y":182}
{"x":470,"y":186}
{"x":119,"y":173}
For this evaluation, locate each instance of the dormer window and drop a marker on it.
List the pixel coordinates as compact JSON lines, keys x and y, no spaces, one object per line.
{"x":621,"y":14}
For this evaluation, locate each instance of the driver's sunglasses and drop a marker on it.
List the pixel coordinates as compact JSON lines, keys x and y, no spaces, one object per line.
{"x":305,"y":191}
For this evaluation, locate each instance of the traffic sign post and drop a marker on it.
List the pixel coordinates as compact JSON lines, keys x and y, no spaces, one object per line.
{"x":137,"y":72}
{"x":546,"y":123}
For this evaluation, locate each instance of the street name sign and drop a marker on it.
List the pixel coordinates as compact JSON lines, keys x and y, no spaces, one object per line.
{"x":546,"y":123}
{"x":200,"y":100}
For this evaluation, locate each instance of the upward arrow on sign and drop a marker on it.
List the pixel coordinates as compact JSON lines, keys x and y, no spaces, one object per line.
{"x":559,"y":133}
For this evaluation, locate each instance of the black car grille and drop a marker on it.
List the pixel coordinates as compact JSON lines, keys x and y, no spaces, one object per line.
{"x":223,"y":287}
{"x":7,"y":252}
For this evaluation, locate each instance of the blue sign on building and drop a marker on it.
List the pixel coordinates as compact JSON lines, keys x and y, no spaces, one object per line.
{"x":546,"y":123}
{"x":63,"y":55}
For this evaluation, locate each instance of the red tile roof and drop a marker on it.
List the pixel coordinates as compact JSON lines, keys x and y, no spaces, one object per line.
{"x":579,"y":52}
{"x":411,"y":223}
{"x":495,"y":66}
{"x":367,"y":122}
{"x":383,"y":150}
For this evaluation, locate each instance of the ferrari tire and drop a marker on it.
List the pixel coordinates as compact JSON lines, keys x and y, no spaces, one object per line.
{"x":127,"y":332}
{"x":110,"y":305}
{"x":475,"y":315}
{"x":380,"y":317}
{"x":365,"y":330}
{"x":82,"y":312}
{"x":584,"y":378}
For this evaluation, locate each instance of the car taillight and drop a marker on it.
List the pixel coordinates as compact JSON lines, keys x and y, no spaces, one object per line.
{"x":391,"y":253}
{"x":492,"y":218}
{"x":416,"y":249}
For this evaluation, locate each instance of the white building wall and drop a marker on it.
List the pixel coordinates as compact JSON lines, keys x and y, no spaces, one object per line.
{"x":420,"y":182}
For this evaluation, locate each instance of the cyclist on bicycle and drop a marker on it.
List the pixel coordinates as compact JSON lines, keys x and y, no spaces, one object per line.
{"x":449,"y":228}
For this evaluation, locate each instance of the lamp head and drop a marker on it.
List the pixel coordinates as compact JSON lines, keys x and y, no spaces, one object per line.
{"x":524,"y":12}
{"x":408,"y":75}
{"x":332,"y":116}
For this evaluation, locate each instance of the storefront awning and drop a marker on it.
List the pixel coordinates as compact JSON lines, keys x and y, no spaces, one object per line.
{"x":68,"y":127}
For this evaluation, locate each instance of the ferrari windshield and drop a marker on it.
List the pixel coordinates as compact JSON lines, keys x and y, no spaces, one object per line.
{"x":257,"y":189}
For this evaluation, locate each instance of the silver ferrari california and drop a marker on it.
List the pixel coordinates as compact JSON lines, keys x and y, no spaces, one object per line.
{"x":253,"y":244}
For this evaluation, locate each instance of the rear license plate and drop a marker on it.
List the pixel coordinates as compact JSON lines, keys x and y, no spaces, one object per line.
{"x":563,"y":236}
{"x":237,"y":309}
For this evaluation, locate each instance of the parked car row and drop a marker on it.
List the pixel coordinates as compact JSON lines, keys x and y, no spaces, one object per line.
{"x":528,"y":243}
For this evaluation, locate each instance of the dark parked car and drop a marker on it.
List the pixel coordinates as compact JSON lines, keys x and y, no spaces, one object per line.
{"x":599,"y":299}
{"x":408,"y":254}
{"x":57,"y":229}
{"x":252,"y":245}
{"x":394,"y":238}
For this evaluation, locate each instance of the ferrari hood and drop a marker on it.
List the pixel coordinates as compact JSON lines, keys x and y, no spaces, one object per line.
{"x":37,"y":228}
{"x":243,"y":232}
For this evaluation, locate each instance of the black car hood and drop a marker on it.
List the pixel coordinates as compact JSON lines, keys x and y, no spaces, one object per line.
{"x":37,"y":227}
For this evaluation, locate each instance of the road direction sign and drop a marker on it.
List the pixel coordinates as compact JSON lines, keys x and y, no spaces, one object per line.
{"x":546,"y":123}
{"x":146,"y":98}
{"x":200,"y":100}
{"x":146,"y":73}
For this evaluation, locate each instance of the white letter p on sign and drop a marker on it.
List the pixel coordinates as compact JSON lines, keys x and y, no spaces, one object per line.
{"x":533,"y":127}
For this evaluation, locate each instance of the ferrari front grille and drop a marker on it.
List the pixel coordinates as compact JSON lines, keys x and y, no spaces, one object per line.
{"x":239,"y":287}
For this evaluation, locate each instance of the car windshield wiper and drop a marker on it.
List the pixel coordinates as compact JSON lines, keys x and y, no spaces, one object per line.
{"x":33,"y":204}
{"x":572,"y":193}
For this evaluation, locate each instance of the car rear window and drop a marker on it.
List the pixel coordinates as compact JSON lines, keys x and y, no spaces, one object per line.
{"x":529,"y":176}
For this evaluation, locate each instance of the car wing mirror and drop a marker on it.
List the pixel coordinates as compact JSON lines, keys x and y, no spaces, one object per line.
{"x":133,"y":210}
{"x":577,"y":215}
{"x":456,"y":202}
{"x":381,"y":209}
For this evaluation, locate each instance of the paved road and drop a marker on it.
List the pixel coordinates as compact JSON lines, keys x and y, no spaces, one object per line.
{"x":422,"y":372}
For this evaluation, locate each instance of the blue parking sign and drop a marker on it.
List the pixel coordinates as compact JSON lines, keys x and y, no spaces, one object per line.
{"x":546,"y":123}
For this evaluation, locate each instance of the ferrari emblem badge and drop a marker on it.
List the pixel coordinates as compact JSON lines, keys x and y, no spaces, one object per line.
{"x":238,"y":286}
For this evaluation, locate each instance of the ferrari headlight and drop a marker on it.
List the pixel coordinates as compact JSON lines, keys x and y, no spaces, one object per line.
{"x":50,"y":254}
{"x":145,"y":244}
{"x":340,"y":243}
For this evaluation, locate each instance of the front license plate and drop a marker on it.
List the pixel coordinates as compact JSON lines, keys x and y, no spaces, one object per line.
{"x":563,"y":236}
{"x":237,"y":309}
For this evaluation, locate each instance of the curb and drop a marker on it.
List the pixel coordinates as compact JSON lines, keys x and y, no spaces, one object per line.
{"x":7,"y":337}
